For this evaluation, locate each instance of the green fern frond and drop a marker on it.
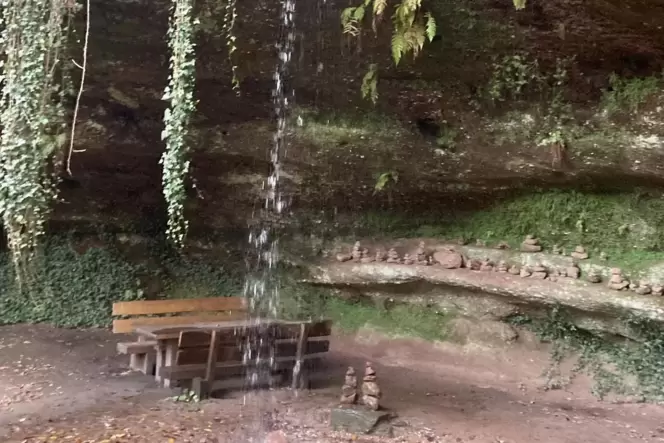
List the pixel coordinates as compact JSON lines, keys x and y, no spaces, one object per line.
{"x":430,"y":26}
{"x":519,"y":4}
{"x":399,"y":46}
{"x":347,"y":16}
{"x":369,"y":87}
{"x":358,"y":14}
{"x":379,"y":7}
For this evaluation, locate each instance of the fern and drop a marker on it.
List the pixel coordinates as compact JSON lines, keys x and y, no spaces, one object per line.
{"x":430,"y":26}
{"x":379,"y":7}
{"x":369,"y":87}
{"x":519,"y":4}
{"x":399,"y":45}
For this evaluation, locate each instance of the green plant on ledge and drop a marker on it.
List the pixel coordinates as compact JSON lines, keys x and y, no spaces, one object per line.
{"x":622,"y":367}
{"x":628,"y":94}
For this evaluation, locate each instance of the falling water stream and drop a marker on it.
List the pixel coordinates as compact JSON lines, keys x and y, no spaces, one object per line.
{"x":262,"y":282}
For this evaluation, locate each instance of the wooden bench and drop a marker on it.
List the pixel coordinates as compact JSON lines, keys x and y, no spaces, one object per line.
{"x":168,"y":313}
{"x":206,"y":356}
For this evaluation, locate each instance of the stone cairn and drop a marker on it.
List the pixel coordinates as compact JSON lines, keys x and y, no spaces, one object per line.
{"x":594,"y":276}
{"x":486,"y":265}
{"x":366,"y":258}
{"x":356,"y":253}
{"x":539,"y":272}
{"x":579,"y":253}
{"x":421,"y":257}
{"x":643,"y":288}
{"x":617,"y":282}
{"x":408,"y":260}
{"x":349,"y":389}
{"x":531,"y":244}
{"x":380,"y":256}
{"x":393,"y":256}
{"x":557,"y":250}
{"x":502,"y":266}
{"x":370,"y":390}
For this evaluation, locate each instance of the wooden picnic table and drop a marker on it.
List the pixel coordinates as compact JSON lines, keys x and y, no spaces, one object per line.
{"x":167,"y":337}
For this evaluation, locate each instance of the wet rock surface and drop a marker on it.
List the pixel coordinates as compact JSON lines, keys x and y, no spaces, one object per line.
{"x":358,"y":420}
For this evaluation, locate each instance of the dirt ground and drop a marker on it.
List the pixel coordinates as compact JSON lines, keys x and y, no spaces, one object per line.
{"x":70,"y":386}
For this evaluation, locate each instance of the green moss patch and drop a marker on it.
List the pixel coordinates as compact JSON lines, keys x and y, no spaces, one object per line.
{"x":628,"y":227}
{"x":303,"y":302}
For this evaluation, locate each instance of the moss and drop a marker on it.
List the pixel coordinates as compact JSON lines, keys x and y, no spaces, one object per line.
{"x":400,"y":320}
{"x":302,"y":302}
{"x":628,"y":227}
{"x":334,"y":128}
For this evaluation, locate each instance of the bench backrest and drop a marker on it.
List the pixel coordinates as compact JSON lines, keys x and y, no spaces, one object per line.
{"x":193,"y":346}
{"x":173,"y":312}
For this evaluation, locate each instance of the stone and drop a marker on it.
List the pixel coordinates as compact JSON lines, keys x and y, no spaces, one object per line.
{"x":486,"y":265}
{"x":594,"y":276}
{"x":657,"y":289}
{"x":474,"y":265}
{"x":643,"y":289}
{"x":371,"y":393}
{"x":557,"y":250}
{"x":421,"y":254}
{"x":531,"y":244}
{"x":554,"y":275}
{"x":380,"y":256}
{"x":344,"y":257}
{"x":514,"y":270}
{"x":408,"y":260}
{"x":503,"y":245}
{"x":579,"y":253}
{"x":448,"y":259}
{"x":524,"y":272}
{"x":393,"y":256}
{"x":276,"y":437}
{"x":480,"y":242}
{"x":356,"y":253}
{"x":360,"y":421}
{"x":539,"y":272}
{"x":366,"y":258}
{"x":603,"y":256}
{"x":617,"y":282}
{"x":349,"y":388}
{"x":502,"y":266}
{"x":573,"y":271}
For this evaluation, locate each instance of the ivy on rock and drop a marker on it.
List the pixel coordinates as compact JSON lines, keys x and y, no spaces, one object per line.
{"x":32,"y":117}
{"x":180,"y":95}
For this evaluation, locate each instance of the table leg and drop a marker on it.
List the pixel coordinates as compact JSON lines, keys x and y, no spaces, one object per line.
{"x":160,"y":361}
{"x":170,"y":355}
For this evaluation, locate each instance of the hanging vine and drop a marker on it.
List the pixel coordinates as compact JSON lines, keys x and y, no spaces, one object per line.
{"x":180,"y":94}
{"x":32,"y":116}
{"x":230,"y":16}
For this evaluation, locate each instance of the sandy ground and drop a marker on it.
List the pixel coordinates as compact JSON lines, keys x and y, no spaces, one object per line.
{"x":70,"y":386}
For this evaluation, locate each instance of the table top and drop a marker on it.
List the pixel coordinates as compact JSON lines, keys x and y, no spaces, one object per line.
{"x":173,"y":331}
